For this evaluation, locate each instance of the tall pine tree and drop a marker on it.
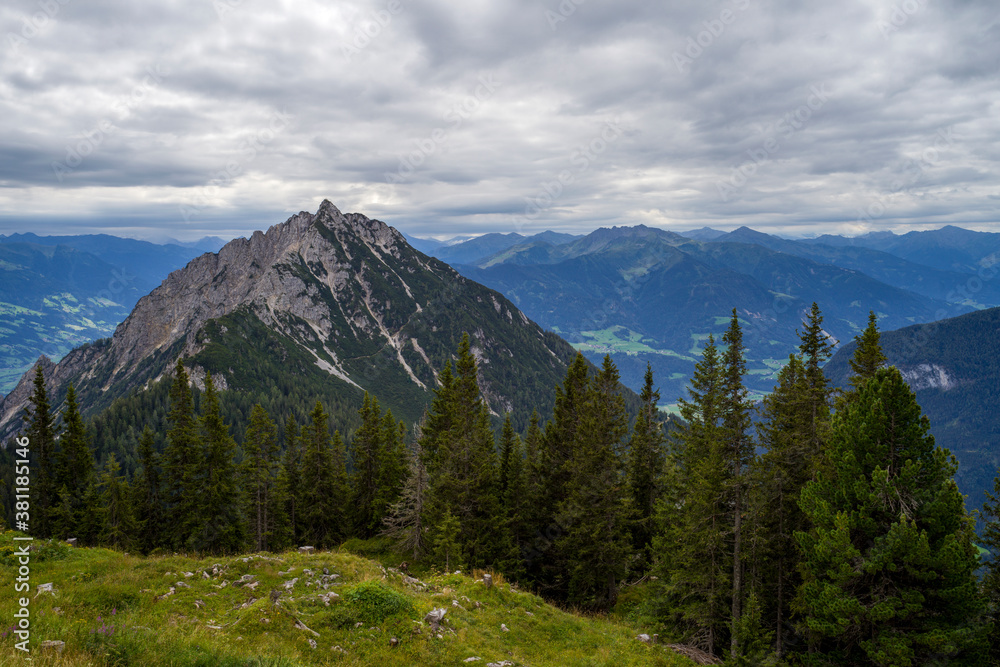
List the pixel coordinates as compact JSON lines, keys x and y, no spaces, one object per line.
{"x":595,"y":545}
{"x":74,"y":472}
{"x":645,"y":465}
{"x":221,"y":523}
{"x":41,"y":433}
{"x":889,"y":563}
{"x":260,"y":451}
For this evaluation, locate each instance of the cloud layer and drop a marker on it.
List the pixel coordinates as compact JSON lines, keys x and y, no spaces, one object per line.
{"x":190,"y":117}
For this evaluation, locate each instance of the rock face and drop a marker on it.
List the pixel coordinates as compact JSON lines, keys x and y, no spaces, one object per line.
{"x":339,"y":294}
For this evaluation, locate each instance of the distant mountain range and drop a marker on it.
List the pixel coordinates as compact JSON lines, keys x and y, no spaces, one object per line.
{"x":60,"y":291}
{"x":336,"y":303}
{"x":648,"y":295}
{"x":953,"y":366}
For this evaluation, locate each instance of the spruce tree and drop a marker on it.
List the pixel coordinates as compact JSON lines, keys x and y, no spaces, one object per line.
{"x":221,"y":523}
{"x":447,"y":542}
{"x":75,"y":469}
{"x":287,"y":498}
{"x":546,"y":567}
{"x":260,"y":448}
{"x":645,"y":465}
{"x":366,"y":454}
{"x":990,"y":539}
{"x":785,"y":432}
{"x":183,"y":459}
{"x":889,"y":563}
{"x":118,"y":525}
{"x":41,"y":433}
{"x":508,"y":450}
{"x":392,"y":468}
{"x":462,"y":463}
{"x":693,"y":545}
{"x":868,"y":356}
{"x":736,"y":408}
{"x":816,"y":348}
{"x":148,"y":493}
{"x":594,"y":513}
{"x":340,"y":491}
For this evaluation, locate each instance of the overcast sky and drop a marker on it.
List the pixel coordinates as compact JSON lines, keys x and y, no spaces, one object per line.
{"x":187,"y":118}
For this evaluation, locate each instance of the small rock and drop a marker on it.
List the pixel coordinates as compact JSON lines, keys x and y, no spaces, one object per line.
{"x":326,"y":571}
{"x":45,"y":588}
{"x":167,"y":594}
{"x":337,"y":649}
{"x":265,"y":620}
{"x":312,"y":642}
{"x":253,"y":585}
{"x":199,"y":604}
{"x":307,"y":550}
{"x":307,"y":572}
{"x":214,"y":627}
{"x":290,"y":584}
{"x":504,"y":628}
{"x":71,"y":541}
{"x":188,"y":575}
{"x":204,"y":575}
{"x":528,"y":613}
{"x":394,"y":642}
{"x":302,"y":626}
{"x":472,"y":659}
{"x":182,"y":584}
{"x":275,"y":596}
{"x":505,"y":663}
{"x":328,"y":597}
{"x":359,"y":624}
{"x":434,"y":617}
{"x":52,"y":645}
{"x":488,"y":580}
{"x":644,"y":638}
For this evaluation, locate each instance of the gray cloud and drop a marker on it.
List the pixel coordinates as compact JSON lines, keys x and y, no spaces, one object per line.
{"x":443,"y":117}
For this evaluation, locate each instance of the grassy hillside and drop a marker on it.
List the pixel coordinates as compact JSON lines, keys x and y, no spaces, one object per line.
{"x":109,"y":609}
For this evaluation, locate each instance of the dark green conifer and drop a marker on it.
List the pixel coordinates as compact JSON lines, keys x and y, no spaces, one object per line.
{"x":221,"y":523}
{"x":260,"y":451}
{"x":645,"y":465}
{"x":148,"y":494}
{"x":42,"y":433}
{"x":75,"y":470}
{"x":889,"y":563}
{"x":183,"y":459}
{"x":594,"y":512}
{"x":118,"y":529}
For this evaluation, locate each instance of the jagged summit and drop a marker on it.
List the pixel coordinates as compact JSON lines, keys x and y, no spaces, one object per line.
{"x":336,"y":294}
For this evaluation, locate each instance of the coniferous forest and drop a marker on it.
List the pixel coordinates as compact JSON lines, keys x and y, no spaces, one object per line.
{"x":818,"y":527}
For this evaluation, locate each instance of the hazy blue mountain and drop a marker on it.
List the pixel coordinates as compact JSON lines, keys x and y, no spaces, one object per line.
{"x":644,"y":294}
{"x":949,"y":248}
{"x":944,"y":285}
{"x":61,"y":291}
{"x":54,"y":298}
{"x":474,"y":250}
{"x":703,"y":234}
{"x":953,"y":366}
